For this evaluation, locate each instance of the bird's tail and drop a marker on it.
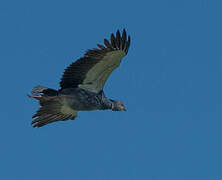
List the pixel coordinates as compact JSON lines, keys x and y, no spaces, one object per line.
{"x":52,"y":107}
{"x":43,"y":94}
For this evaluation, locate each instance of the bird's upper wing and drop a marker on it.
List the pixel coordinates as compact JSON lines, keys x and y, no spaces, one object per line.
{"x":92,"y":70}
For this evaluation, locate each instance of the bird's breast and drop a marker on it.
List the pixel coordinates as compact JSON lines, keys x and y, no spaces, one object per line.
{"x":82,"y":100}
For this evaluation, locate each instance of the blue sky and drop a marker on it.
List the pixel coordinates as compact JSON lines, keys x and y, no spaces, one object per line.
{"x":170,"y":83}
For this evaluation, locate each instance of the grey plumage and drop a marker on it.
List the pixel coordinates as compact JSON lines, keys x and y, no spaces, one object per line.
{"x":83,"y":100}
{"x":82,"y":84}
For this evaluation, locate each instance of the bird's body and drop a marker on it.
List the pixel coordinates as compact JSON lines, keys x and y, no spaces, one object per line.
{"x":82,"y":84}
{"x":84,"y":100}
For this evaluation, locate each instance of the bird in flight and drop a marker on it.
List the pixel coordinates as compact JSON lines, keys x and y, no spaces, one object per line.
{"x":82,"y":83}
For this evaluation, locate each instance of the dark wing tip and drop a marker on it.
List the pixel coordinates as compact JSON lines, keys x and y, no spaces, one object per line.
{"x":113,"y":40}
{"x":123,"y":39}
{"x":100,"y":46}
{"x":118,"y":42}
{"x":124,"y":35}
{"x":118,"y":32}
{"x":107,"y":44}
{"x":127,"y":45}
{"x":118,"y":39}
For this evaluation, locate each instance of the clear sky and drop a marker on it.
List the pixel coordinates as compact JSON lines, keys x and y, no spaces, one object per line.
{"x":170,"y":83}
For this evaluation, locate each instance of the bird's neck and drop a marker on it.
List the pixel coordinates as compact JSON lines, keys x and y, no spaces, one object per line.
{"x":106,"y":103}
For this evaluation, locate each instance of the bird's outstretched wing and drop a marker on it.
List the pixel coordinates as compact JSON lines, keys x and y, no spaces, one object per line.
{"x":92,"y":70}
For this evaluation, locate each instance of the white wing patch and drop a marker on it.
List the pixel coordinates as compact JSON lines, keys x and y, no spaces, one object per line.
{"x":97,"y":76}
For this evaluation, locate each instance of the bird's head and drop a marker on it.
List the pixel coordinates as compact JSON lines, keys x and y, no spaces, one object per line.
{"x":118,"y":106}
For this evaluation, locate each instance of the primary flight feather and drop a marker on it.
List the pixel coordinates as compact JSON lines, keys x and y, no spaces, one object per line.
{"x":82,"y":84}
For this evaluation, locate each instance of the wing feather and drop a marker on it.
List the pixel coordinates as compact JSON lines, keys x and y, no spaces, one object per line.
{"x":100,"y":46}
{"x":108,"y":45}
{"x":113,"y":42}
{"x":123,"y":41}
{"x":93,"y":69}
{"x":118,"y":38}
